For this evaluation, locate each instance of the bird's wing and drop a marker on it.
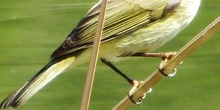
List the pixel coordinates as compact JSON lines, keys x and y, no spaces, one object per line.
{"x":122,"y":17}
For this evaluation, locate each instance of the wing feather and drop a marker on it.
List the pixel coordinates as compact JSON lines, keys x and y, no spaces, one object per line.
{"x":122,"y":17}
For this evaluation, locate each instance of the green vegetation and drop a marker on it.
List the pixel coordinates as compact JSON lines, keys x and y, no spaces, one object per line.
{"x":31,"y":30}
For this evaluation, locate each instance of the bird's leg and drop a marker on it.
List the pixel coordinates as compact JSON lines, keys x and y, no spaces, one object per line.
{"x":166,"y":56}
{"x":135,"y":84}
{"x":130,"y":80}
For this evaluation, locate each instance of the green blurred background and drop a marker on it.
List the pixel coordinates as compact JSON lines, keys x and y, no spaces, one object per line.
{"x":31,"y":30}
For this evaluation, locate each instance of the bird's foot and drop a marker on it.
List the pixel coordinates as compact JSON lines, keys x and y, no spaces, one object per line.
{"x":135,"y":85}
{"x":165,"y":58}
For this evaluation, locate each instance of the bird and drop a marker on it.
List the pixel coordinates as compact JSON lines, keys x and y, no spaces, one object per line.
{"x":131,"y":26}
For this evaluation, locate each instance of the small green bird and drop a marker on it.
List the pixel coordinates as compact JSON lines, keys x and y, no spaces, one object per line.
{"x":131,"y":26}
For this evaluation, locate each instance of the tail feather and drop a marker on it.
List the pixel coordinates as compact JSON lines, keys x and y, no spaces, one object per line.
{"x":44,"y":76}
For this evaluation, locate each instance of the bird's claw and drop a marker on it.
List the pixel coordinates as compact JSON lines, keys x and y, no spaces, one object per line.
{"x":138,"y":101}
{"x":137,"y":84}
{"x":165,"y":58}
{"x":161,"y":70}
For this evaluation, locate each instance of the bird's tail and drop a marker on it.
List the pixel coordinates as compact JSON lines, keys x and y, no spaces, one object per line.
{"x":44,"y":76}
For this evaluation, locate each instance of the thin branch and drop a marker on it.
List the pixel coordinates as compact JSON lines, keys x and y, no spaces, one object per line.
{"x":94,"y":57}
{"x":156,"y":76}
